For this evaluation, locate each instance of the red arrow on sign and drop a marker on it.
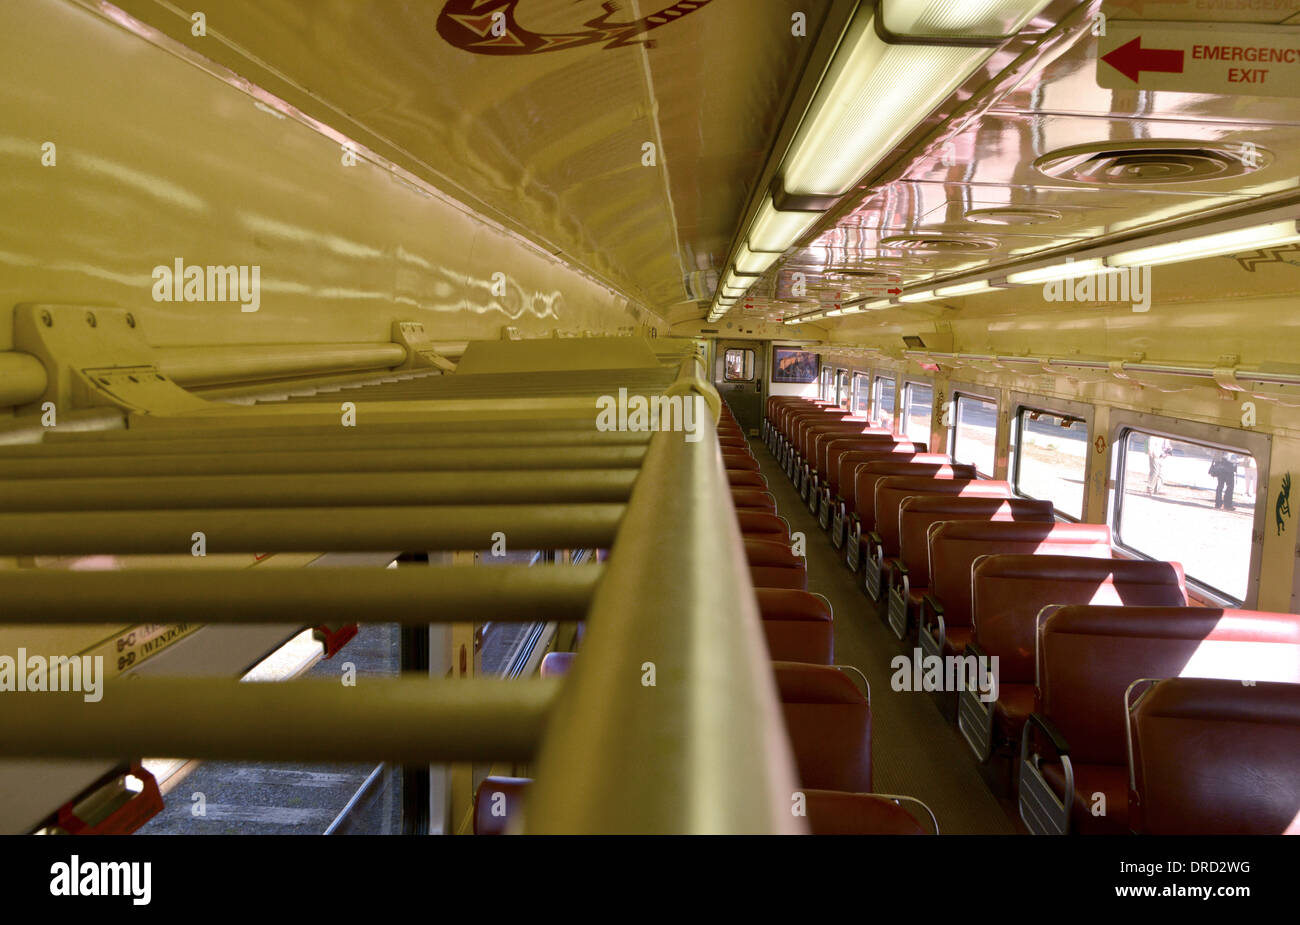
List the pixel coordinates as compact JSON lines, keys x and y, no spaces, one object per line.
{"x":893,"y":291}
{"x":1131,"y":59}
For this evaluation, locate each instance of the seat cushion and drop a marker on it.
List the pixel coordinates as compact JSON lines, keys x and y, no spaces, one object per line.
{"x":1089,"y":779}
{"x":831,"y":812}
{"x":1011,"y":712}
{"x":955,"y":639}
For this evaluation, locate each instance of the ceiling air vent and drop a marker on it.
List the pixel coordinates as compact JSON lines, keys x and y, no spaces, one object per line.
{"x":937,"y":244}
{"x":1151,"y":162}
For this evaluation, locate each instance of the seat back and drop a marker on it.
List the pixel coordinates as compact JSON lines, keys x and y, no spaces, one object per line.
{"x":831,"y":812}
{"x":829,"y":722}
{"x":850,"y":426}
{"x":1008,"y":591}
{"x":801,"y":422}
{"x":497,"y":801}
{"x":918,"y":513}
{"x":1215,"y":757}
{"x":753,"y":499}
{"x":820,"y":439}
{"x":871,"y":446}
{"x":760,"y":525}
{"x":955,"y":545}
{"x":893,"y":490}
{"x":926,"y":465}
{"x":774,"y":565}
{"x":746,"y":478}
{"x":799,"y":625}
{"x":848,"y":461}
{"x":1089,"y":655}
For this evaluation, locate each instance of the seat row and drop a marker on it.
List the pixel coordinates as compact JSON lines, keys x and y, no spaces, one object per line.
{"x":969,"y":576}
{"x":827,"y":714}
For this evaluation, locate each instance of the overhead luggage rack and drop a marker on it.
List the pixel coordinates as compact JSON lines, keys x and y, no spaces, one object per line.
{"x":701,"y":744}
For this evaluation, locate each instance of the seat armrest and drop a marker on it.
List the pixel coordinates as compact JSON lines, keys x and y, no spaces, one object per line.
{"x":930,"y":605}
{"x":1048,"y":728}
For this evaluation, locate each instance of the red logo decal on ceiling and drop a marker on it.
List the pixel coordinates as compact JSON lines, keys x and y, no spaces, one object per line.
{"x":489,"y":27}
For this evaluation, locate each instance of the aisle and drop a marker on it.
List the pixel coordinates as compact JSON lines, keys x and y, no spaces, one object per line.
{"x":914,"y":751}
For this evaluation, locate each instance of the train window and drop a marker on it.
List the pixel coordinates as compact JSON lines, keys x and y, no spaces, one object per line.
{"x":974,"y":433}
{"x":883,"y":407}
{"x":917,"y":401}
{"x":824,"y":388}
{"x":739,"y":365}
{"x":1191,"y":503}
{"x":862,"y":394}
{"x":842,"y":387}
{"x":1051,"y":452}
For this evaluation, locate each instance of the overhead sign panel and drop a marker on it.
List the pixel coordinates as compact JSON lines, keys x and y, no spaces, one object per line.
{"x":1241,"y":60}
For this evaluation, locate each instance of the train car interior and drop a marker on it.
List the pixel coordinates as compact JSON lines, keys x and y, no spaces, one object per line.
{"x":490,"y":417}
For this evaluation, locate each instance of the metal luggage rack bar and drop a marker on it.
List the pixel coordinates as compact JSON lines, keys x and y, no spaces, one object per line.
{"x":669,"y":721}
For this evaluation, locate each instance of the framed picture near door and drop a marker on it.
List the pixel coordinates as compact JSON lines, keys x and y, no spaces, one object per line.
{"x":790,"y":364}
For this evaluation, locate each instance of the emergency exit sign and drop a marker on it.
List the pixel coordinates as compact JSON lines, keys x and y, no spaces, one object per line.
{"x":1245,"y":60}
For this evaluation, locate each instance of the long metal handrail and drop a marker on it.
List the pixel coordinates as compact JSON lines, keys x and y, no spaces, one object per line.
{"x":669,"y":721}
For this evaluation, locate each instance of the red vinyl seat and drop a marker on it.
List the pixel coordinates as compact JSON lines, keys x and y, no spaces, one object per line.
{"x":1007,"y":593}
{"x":944,"y":500}
{"x":746,"y":478}
{"x":1216,"y":757}
{"x":774,"y":565}
{"x":944,"y":624}
{"x":846,"y":466}
{"x":829,"y":722}
{"x":799,"y":625}
{"x":1087,"y":659}
{"x":497,"y":802}
{"x":832,"y":812}
{"x":862,"y":522}
{"x":760,"y":525}
{"x":753,"y":499}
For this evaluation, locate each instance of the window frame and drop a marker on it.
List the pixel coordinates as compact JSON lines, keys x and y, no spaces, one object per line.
{"x":876,"y":394}
{"x":865,"y":376}
{"x":957,"y":391}
{"x":840,"y":384}
{"x":1083,"y":411}
{"x":1258,"y":445}
{"x":825,"y":379}
{"x":904,"y":412}
{"x":752,"y":364}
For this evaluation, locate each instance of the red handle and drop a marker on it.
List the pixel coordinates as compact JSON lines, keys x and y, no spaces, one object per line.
{"x":124,"y":820}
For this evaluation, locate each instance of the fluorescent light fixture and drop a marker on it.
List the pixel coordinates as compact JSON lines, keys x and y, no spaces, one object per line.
{"x":1067,"y":270}
{"x":834,"y":313}
{"x":879,"y":303}
{"x":926,"y":296}
{"x":1210,"y":245}
{"x":958,"y":17}
{"x":774,"y":230}
{"x":871,"y":97}
{"x":965,"y":289}
{"x":733,"y":293}
{"x":735,"y":281}
{"x":851,"y":310}
{"x":792,"y":320}
{"x":748,"y":261}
